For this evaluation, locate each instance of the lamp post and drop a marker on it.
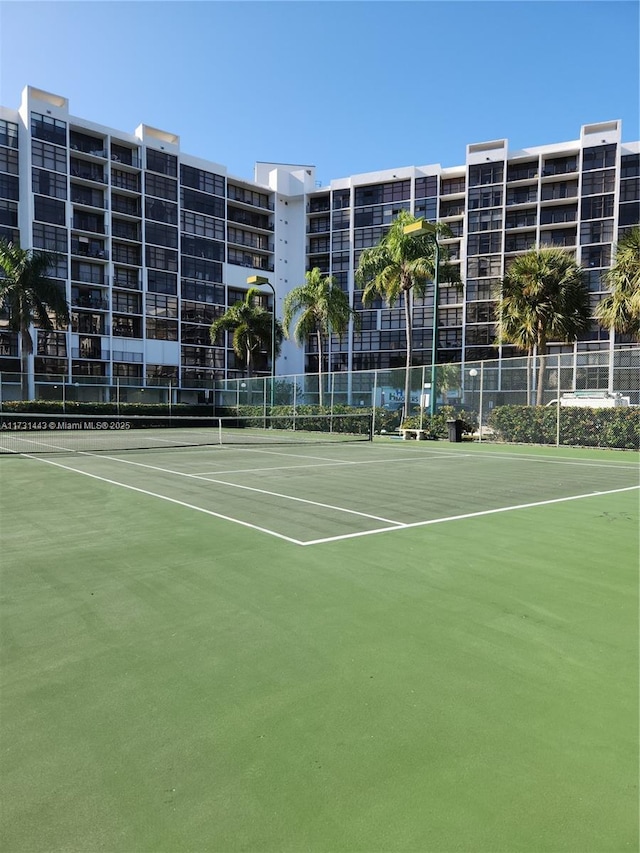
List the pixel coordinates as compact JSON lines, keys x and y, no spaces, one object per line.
{"x":258,"y":281}
{"x":422,"y":228}
{"x":473,"y":373}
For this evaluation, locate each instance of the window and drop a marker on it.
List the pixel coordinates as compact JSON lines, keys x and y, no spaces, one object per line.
{"x":560,"y":165}
{"x":199,"y":291}
{"x":380,"y":193}
{"x":162,"y":282}
{"x":522,"y":171}
{"x":600,"y":181}
{"x":49,"y":210}
{"x":9,"y":161}
{"x":484,"y":198}
{"x":87,"y":324}
{"x":489,"y":173}
{"x":199,"y":248}
{"x":48,"y":156}
{"x":8,"y":214}
{"x":562,"y":189}
{"x":202,"y":269}
{"x":452,"y":186}
{"x":196,"y":312}
{"x":480,"y":244}
{"x":562,"y":213}
{"x":52,"y":343}
{"x":199,"y":180}
{"x":124,"y":254}
{"x":8,"y":134}
{"x":596,"y":256}
{"x":600,"y":157}
{"x":209,"y":205}
{"x":482,"y":267}
{"x":125,"y":180}
{"x":382,"y":214}
{"x":129,"y":371}
{"x":48,"y":128}
{"x":9,"y":187}
{"x":203,"y":226}
{"x":340,"y":240}
{"x":126,"y":303}
{"x":597,"y":207}
{"x":247,"y":196}
{"x":161,"y":258}
{"x":162,"y":330}
{"x":49,"y":238}
{"x":160,"y":186}
{"x":341,"y":200}
{"x":161,"y":211}
{"x":158,"y":161}
{"x":629,"y":214}
{"x":486,"y":220}
{"x":161,"y":371}
{"x":629,"y":163}
{"x":127,"y":327}
{"x":427,"y":187}
{"x":596,"y":232}
{"x":161,"y":235}
{"x":161,"y":306}
{"x":630,"y":189}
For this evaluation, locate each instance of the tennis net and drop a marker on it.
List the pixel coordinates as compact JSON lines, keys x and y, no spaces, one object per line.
{"x":27,"y":434}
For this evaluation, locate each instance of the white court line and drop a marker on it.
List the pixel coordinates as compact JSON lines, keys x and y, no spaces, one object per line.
{"x":169,"y":500}
{"x":327,"y":465}
{"x":467,"y":515}
{"x":238,"y":486}
{"x":398,"y":526}
{"x":530,"y":457}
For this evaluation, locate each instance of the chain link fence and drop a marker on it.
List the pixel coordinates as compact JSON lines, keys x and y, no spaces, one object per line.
{"x":565,"y":385}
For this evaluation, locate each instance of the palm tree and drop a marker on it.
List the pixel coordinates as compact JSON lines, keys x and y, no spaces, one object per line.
{"x":398,"y":265}
{"x":543,"y":298}
{"x":321,"y":308}
{"x":30,"y":297}
{"x":620,"y":309}
{"x":251,"y":325}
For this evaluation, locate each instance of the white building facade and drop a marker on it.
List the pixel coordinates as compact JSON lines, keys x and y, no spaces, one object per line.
{"x":154,"y":244}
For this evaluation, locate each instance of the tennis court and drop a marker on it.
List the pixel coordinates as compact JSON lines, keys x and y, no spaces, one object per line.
{"x":311,"y":643}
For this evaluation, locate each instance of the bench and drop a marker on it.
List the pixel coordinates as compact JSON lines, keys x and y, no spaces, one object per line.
{"x":418,"y":434}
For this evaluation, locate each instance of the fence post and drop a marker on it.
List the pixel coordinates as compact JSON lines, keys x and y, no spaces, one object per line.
{"x":480,"y":401}
{"x":118,"y":395}
{"x":170,"y":397}
{"x":421,"y":397}
{"x":374,"y":401}
{"x":559,"y":394}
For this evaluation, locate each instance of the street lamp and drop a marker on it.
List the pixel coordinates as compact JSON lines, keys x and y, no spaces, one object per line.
{"x":258,"y":281}
{"x":422,"y":229}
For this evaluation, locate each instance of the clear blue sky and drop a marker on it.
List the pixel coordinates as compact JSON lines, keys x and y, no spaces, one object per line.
{"x":346,"y":86}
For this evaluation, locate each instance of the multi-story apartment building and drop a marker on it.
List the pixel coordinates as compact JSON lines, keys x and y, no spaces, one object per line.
{"x":154,"y":244}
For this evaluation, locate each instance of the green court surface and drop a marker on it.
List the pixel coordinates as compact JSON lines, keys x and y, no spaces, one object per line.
{"x":386,"y":646}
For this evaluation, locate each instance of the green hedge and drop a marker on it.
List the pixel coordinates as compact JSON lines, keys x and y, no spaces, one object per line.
{"x":579,"y":427}
{"x":436,"y":426}
{"x":55,"y":407}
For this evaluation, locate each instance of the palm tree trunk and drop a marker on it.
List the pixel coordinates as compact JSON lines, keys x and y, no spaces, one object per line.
{"x":320,"y":388}
{"x":407,"y":372}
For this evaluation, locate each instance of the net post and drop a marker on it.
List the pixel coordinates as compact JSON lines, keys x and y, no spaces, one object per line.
{"x":374,"y":401}
{"x":118,"y":395}
{"x":170,"y":397}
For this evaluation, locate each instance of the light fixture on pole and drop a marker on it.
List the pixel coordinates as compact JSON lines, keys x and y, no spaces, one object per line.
{"x":422,"y":228}
{"x":258,"y":281}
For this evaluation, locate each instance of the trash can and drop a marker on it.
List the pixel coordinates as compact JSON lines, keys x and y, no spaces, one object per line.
{"x":455,"y":428}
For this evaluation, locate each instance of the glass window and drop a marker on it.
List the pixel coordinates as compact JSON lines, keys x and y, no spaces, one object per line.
{"x":49,"y":183}
{"x":162,"y":282}
{"x":597,"y":207}
{"x":427,"y":187}
{"x":199,"y":248}
{"x":8,"y":161}
{"x":48,"y":128}
{"x":157,"y":305}
{"x":48,"y":156}
{"x":202,"y":203}
{"x":9,"y":187}
{"x":49,"y":210}
{"x":486,"y":173}
{"x":629,"y":164}
{"x":199,"y":291}
{"x":596,"y":232}
{"x":159,"y":161}
{"x":630,"y":189}
{"x":480,"y":197}
{"x":8,"y":134}
{"x":203,"y":226}
{"x":161,"y":258}
{"x":599,"y":157}
{"x":161,"y":235}
{"x":160,"y":186}
{"x":49,"y":238}
{"x":599,"y":181}
{"x":162,"y":330}
{"x":199,"y":180}
{"x":201,"y":269}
